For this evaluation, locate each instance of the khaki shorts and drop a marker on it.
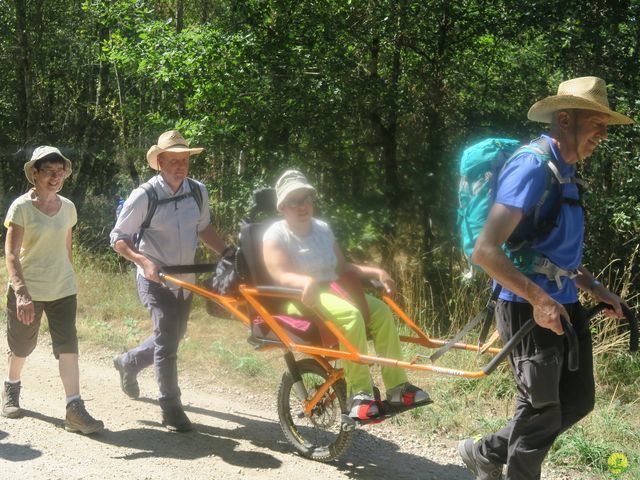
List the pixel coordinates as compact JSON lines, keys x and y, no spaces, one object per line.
{"x":61,"y":317}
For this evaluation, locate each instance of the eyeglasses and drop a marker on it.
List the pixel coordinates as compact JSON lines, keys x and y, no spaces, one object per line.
{"x":49,"y":172}
{"x":300,"y":202}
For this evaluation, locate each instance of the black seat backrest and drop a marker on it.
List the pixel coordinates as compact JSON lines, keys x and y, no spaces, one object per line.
{"x":250,"y":262}
{"x":264,"y":205}
{"x":254,"y":272}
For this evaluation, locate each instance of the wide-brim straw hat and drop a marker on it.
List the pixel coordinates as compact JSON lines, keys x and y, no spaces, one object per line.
{"x":171,"y":141}
{"x":42,"y":152}
{"x":585,"y":93}
{"x":289,"y":182}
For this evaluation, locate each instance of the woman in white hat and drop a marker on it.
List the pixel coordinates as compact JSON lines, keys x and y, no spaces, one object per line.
{"x":41,"y":279}
{"x":300,"y":251}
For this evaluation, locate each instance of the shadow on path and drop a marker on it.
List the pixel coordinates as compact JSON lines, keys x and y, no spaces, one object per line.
{"x":369,"y":457}
{"x":14,"y":452}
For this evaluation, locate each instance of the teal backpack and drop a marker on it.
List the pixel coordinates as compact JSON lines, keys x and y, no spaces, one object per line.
{"x":480,"y":166}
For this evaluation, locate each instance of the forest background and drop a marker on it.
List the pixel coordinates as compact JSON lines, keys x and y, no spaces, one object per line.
{"x":374,"y":100}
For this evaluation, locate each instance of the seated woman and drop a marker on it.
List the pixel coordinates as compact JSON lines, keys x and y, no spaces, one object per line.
{"x":301,"y":252}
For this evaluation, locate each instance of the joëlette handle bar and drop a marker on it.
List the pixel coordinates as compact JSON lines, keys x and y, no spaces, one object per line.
{"x":198,"y":268}
{"x":572,"y":340}
{"x":573,"y":359}
{"x":629,"y":315}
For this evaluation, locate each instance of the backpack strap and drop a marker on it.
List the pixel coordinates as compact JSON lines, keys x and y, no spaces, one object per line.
{"x":153,"y":202}
{"x":545,"y":266}
{"x":554,"y":180}
{"x":152,"y":205}
{"x":196,"y":192}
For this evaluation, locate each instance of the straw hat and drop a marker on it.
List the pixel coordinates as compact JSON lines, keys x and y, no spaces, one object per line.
{"x":586,"y":93}
{"x":289,"y":182}
{"x":40,"y":153}
{"x":171,"y":141}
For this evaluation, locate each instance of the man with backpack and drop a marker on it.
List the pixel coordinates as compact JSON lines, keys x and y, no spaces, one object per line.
{"x":159,"y":225}
{"x":540,"y":278}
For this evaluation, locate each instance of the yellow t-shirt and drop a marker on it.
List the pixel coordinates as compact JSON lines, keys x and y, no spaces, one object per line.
{"x":45,"y":263}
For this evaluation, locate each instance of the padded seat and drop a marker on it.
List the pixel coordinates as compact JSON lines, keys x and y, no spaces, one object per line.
{"x":301,"y":330}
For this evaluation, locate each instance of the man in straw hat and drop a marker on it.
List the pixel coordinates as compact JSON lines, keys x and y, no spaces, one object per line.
{"x":181,"y":217}
{"x":550,"y":397}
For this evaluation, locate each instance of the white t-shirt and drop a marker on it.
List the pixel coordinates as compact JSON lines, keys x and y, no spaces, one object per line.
{"x":311,"y":255}
{"x":44,"y":258}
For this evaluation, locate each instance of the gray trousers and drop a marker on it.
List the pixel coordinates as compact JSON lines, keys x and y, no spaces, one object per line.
{"x":550,"y":398}
{"x":169,"y":316}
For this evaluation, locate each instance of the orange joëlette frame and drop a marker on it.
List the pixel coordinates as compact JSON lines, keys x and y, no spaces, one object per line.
{"x":251,"y":295}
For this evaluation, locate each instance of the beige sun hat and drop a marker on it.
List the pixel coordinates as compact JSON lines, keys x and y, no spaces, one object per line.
{"x":171,"y":141}
{"x":289,"y":182}
{"x":586,"y":93}
{"x":41,"y":152}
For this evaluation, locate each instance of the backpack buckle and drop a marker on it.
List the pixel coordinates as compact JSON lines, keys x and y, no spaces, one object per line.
{"x":553,"y":272}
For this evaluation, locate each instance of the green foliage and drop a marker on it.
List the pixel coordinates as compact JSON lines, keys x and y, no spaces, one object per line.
{"x":373,"y":100}
{"x":249,"y":364}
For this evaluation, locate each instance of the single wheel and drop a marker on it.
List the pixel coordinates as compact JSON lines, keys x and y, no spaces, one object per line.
{"x":320,"y":436}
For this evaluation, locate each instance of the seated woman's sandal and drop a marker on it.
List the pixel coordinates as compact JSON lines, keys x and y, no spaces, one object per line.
{"x":364,"y":407}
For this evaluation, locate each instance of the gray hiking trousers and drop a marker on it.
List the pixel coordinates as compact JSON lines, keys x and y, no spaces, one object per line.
{"x":550,"y":398}
{"x":169,"y":315}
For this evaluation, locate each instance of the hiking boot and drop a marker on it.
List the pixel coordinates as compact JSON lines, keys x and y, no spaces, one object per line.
{"x":175,"y":420}
{"x":482,"y":468}
{"x":407,"y":395}
{"x":364,"y":407}
{"x":79,"y":420}
{"x":128,"y":380}
{"x":11,"y":400}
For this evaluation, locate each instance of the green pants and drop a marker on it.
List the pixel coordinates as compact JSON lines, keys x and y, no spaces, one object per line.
{"x":382,"y":329}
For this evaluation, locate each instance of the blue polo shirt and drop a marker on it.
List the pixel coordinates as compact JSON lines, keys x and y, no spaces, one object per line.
{"x":521,"y":185}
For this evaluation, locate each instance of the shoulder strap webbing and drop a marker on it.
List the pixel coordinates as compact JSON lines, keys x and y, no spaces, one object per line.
{"x":196,"y":192}
{"x":153,"y":202}
{"x":542,"y":227}
{"x":152,"y":205}
{"x":486,"y":315}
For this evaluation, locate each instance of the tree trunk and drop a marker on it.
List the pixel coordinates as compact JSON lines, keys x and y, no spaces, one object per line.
{"x":23,"y":72}
{"x":179,"y":15}
{"x":386,"y":132}
{"x":182,"y":109}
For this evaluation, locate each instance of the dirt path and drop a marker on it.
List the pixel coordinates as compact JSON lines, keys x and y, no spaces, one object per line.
{"x":235,"y":436}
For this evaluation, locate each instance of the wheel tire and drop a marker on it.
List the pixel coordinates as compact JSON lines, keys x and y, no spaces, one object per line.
{"x":319,"y":437}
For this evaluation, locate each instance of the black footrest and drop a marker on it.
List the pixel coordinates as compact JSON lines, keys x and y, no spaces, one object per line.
{"x":388,"y":412}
